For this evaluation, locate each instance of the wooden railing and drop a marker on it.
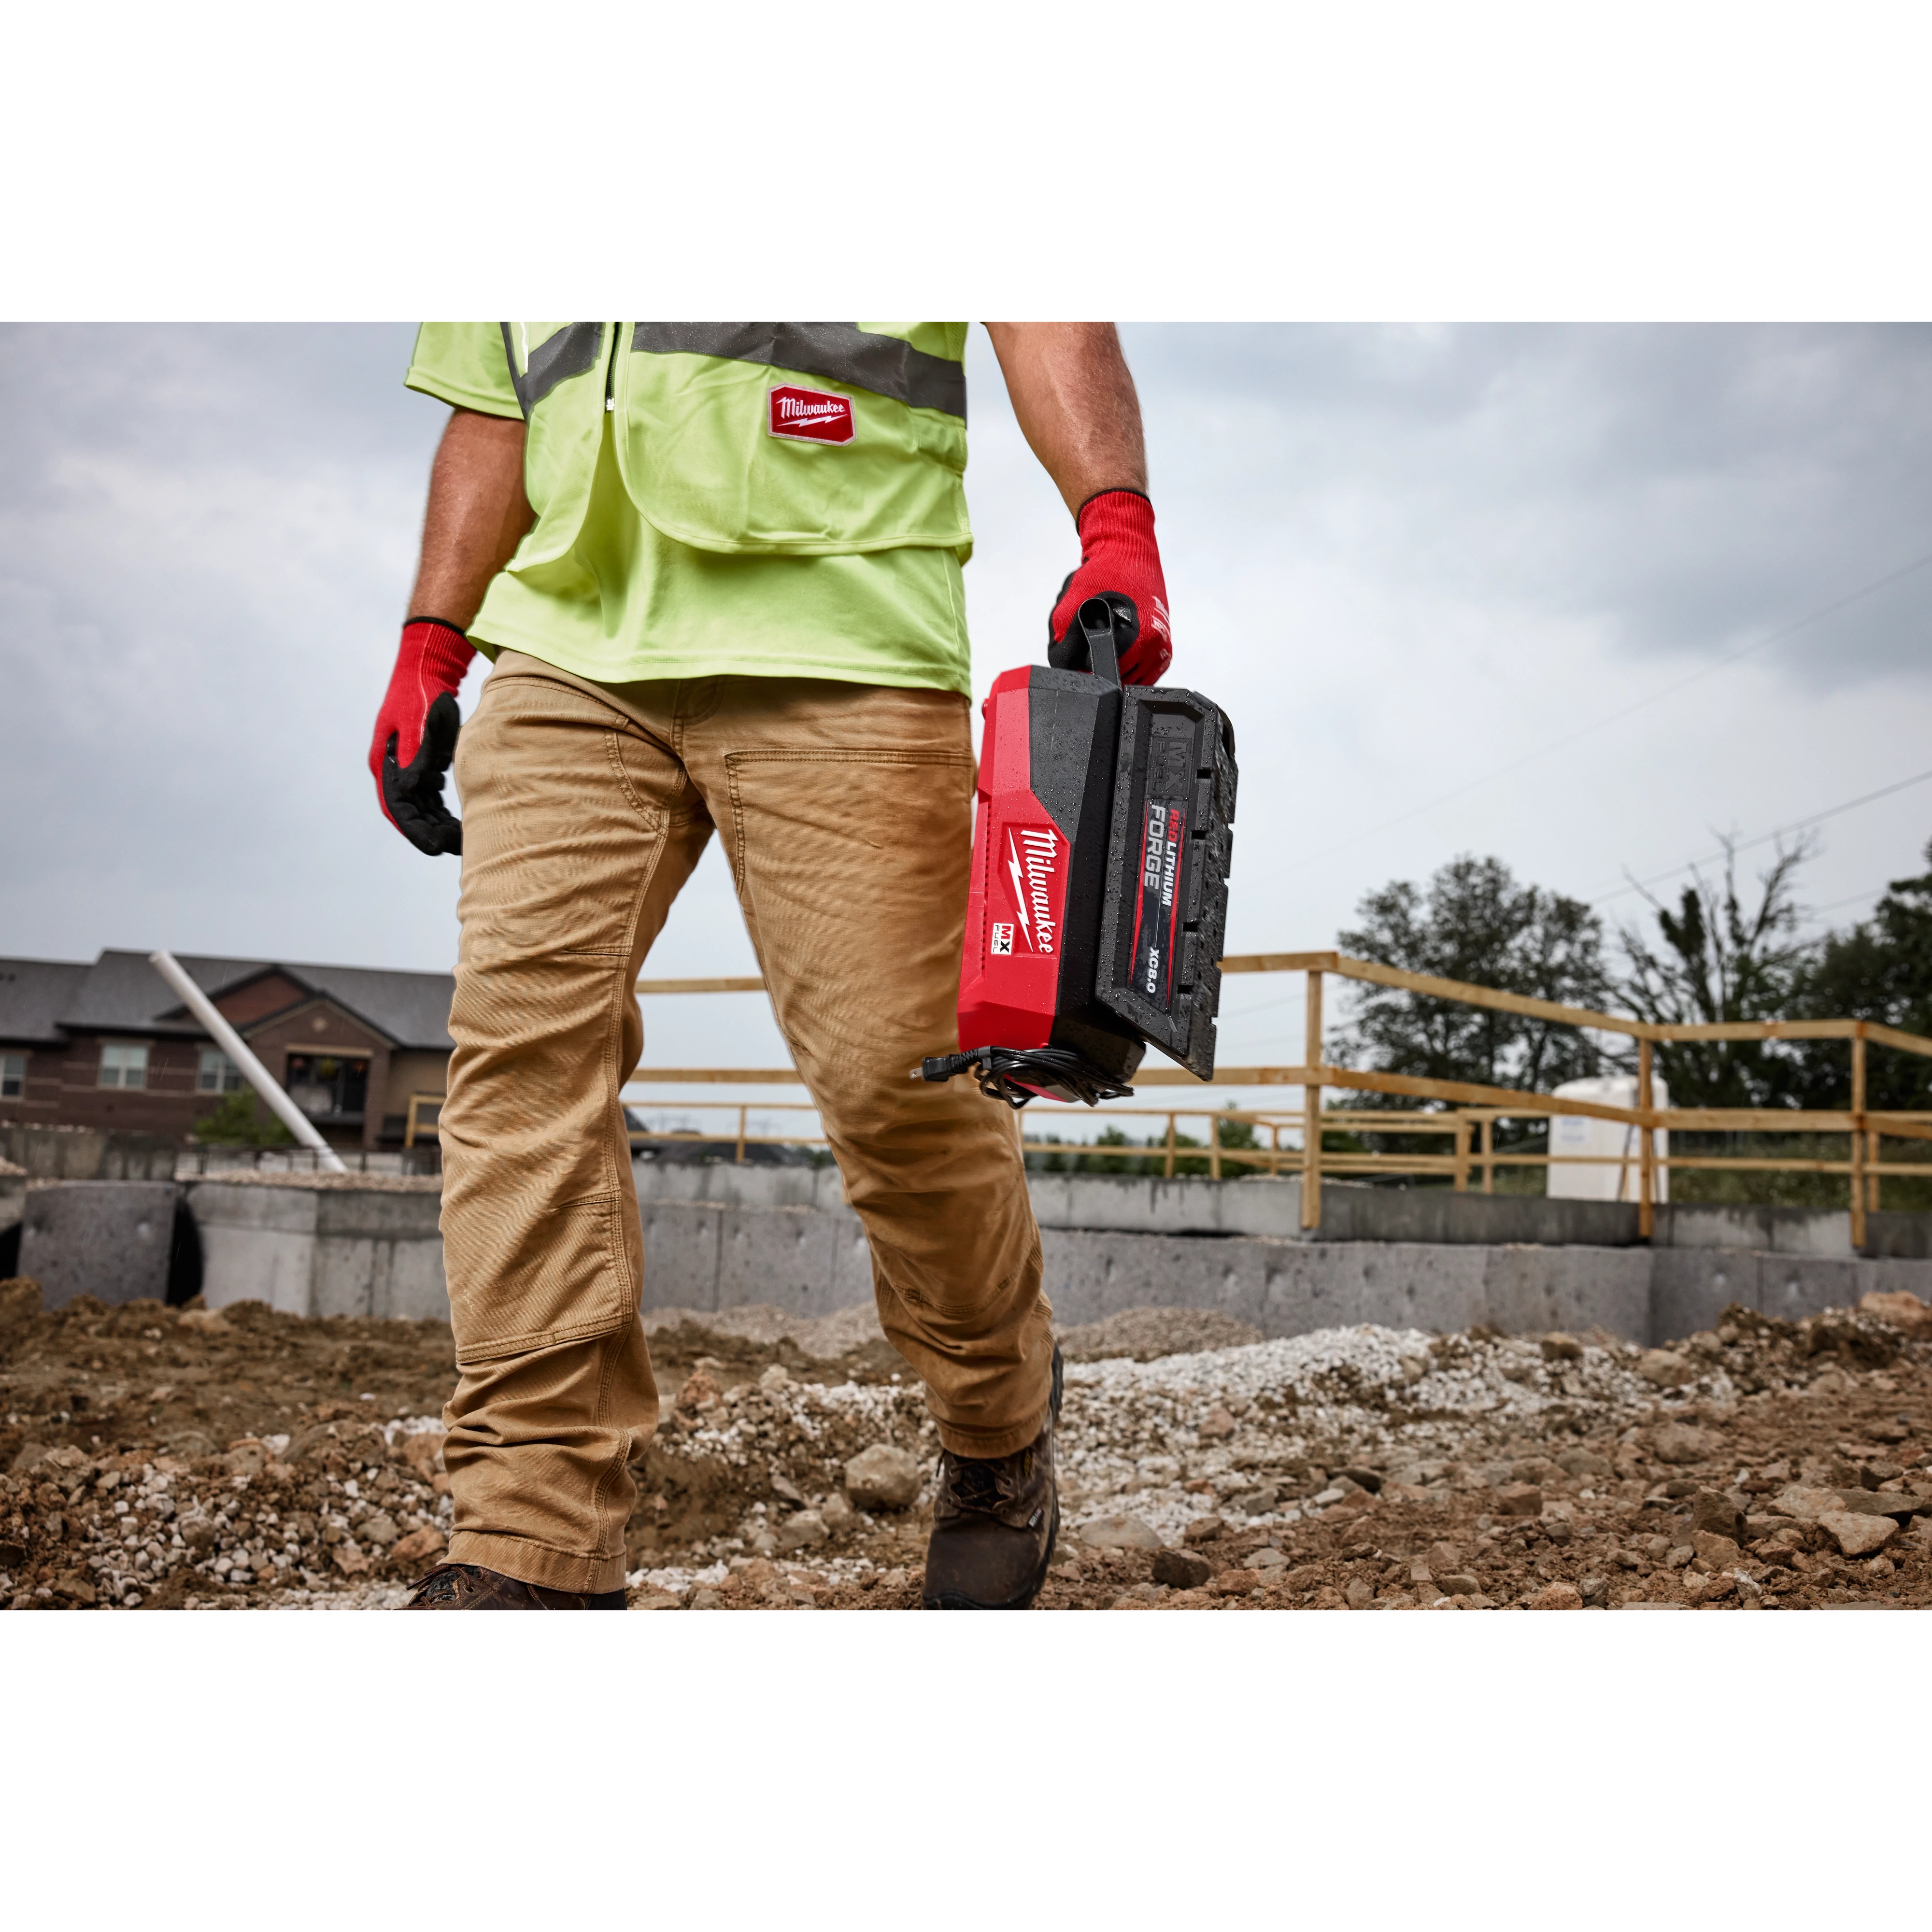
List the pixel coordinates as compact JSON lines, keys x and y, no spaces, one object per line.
{"x":1477,"y":1107}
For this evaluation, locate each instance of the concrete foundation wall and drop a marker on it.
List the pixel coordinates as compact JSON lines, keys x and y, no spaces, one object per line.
{"x":1193,"y":1205}
{"x":321,"y":1251}
{"x":710,"y":1256}
{"x":807,"y":1261}
{"x":110,"y":1239}
{"x":725,"y":1236}
{"x":13,"y":1200}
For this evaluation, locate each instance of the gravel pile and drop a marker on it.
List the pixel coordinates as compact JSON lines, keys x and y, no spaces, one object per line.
{"x":301,"y":1517}
{"x":1146,"y":1334}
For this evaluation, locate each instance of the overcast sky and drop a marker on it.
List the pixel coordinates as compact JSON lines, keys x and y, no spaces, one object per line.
{"x":1439,"y":576}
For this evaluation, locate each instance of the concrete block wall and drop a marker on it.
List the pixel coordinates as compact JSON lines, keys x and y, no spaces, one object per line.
{"x":725,"y":1236}
{"x":711,"y":1256}
{"x":321,"y":1251}
{"x":1194,"y":1205}
{"x":807,"y":1260}
{"x":1286,"y":1287}
{"x":110,"y":1239}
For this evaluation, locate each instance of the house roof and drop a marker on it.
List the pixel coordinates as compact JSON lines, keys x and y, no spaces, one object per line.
{"x":34,"y":994}
{"x":121,"y":992}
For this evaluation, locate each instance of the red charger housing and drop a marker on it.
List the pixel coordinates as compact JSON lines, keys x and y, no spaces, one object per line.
{"x":1039,"y":851}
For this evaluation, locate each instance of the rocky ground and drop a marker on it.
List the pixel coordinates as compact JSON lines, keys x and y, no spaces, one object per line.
{"x":164,"y":1458}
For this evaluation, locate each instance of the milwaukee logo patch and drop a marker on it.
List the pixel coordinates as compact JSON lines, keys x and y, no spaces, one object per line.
{"x":1031,"y":876}
{"x":812,"y":415}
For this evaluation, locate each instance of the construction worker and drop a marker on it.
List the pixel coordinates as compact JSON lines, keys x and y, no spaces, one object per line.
{"x":717,"y":568}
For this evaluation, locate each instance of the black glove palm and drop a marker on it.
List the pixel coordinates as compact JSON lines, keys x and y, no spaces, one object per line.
{"x":413,"y":793}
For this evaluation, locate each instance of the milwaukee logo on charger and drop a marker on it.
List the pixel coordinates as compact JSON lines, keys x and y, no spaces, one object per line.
{"x":812,"y":415}
{"x":1031,"y":876}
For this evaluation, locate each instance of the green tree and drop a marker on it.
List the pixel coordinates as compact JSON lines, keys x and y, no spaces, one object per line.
{"x":240,"y":1120}
{"x":1713,"y":960}
{"x":1474,"y":922}
{"x":1880,"y":970}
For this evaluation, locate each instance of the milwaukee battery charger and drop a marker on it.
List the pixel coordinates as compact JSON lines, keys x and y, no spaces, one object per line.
{"x":1100,"y":892}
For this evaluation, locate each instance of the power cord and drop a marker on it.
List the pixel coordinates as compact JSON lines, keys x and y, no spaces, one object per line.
{"x":1015,"y":1075}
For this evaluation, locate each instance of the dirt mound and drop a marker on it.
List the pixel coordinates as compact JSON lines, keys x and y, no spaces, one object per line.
{"x":155,"y":1457}
{"x":1762,"y":1465}
{"x":824,"y":1338}
{"x":1146,"y":1334}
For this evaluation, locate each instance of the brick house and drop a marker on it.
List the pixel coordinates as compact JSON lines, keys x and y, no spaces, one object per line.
{"x":110,"y":1045}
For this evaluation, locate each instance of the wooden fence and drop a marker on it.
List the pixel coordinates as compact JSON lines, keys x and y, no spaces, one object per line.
{"x":1469,"y":1111}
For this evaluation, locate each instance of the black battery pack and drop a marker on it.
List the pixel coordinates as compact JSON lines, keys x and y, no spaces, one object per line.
{"x":1165,"y":915}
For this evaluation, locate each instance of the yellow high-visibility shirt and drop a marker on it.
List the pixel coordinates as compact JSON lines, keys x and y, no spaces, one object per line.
{"x":727,"y":497}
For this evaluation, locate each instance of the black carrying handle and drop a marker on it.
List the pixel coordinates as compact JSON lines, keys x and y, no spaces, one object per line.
{"x":1096,"y":619}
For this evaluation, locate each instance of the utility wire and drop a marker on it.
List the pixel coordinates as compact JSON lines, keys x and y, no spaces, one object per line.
{"x":1616,"y":717}
{"x":1285,"y":1000}
{"x":1765,"y":838}
{"x":1870,"y":892}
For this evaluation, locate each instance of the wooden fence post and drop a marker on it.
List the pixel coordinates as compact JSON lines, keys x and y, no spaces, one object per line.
{"x":1646,"y":1147}
{"x":1461,"y":1154}
{"x":1169,"y":1170}
{"x":1489,"y":1154}
{"x":741,"y":1136}
{"x":1858,"y":1138}
{"x":1311,"y":1112}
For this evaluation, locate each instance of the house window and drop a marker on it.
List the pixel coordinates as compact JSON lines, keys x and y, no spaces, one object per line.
{"x":13,"y":1075}
{"x":124,"y":1066}
{"x":327,"y":1086}
{"x":218,"y":1074}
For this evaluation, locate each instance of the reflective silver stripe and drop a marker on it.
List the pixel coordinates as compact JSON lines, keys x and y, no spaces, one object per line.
{"x":841,"y":352}
{"x":572,"y":351}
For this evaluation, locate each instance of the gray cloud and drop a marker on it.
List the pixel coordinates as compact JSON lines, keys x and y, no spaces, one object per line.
{"x":1689,"y":487}
{"x":1402,"y":557}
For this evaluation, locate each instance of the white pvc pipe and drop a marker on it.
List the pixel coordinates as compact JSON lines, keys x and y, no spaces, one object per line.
{"x":257,"y":1075}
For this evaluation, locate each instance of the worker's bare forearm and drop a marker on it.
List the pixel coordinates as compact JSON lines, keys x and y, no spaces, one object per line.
{"x":477,"y":515}
{"x":1075,"y":402}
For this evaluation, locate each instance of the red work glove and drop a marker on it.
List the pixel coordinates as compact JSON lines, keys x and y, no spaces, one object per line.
{"x":1120,"y":561}
{"x":415,"y":734}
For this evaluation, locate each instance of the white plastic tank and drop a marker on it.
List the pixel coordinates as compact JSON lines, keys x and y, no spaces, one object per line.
{"x":1612,"y":1146}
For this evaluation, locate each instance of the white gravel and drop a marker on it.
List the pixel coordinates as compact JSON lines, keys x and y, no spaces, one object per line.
{"x":1133,"y":1434}
{"x":1253,"y":1432}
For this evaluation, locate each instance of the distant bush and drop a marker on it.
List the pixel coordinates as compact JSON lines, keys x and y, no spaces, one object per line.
{"x":240,"y":1120}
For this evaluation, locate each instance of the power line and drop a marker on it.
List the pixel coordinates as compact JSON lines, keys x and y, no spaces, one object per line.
{"x":1870,"y":892}
{"x":1616,"y":717}
{"x":1285,"y":1000}
{"x":1765,"y":838}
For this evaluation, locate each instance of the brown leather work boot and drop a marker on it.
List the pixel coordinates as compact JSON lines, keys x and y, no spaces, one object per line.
{"x":463,"y":1586}
{"x":993,"y":1523}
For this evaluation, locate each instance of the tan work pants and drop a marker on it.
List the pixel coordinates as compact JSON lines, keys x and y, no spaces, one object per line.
{"x":846,"y":811}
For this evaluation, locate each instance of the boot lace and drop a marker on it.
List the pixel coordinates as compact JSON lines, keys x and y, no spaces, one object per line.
{"x":983,"y":1486}
{"x":444,"y":1583}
